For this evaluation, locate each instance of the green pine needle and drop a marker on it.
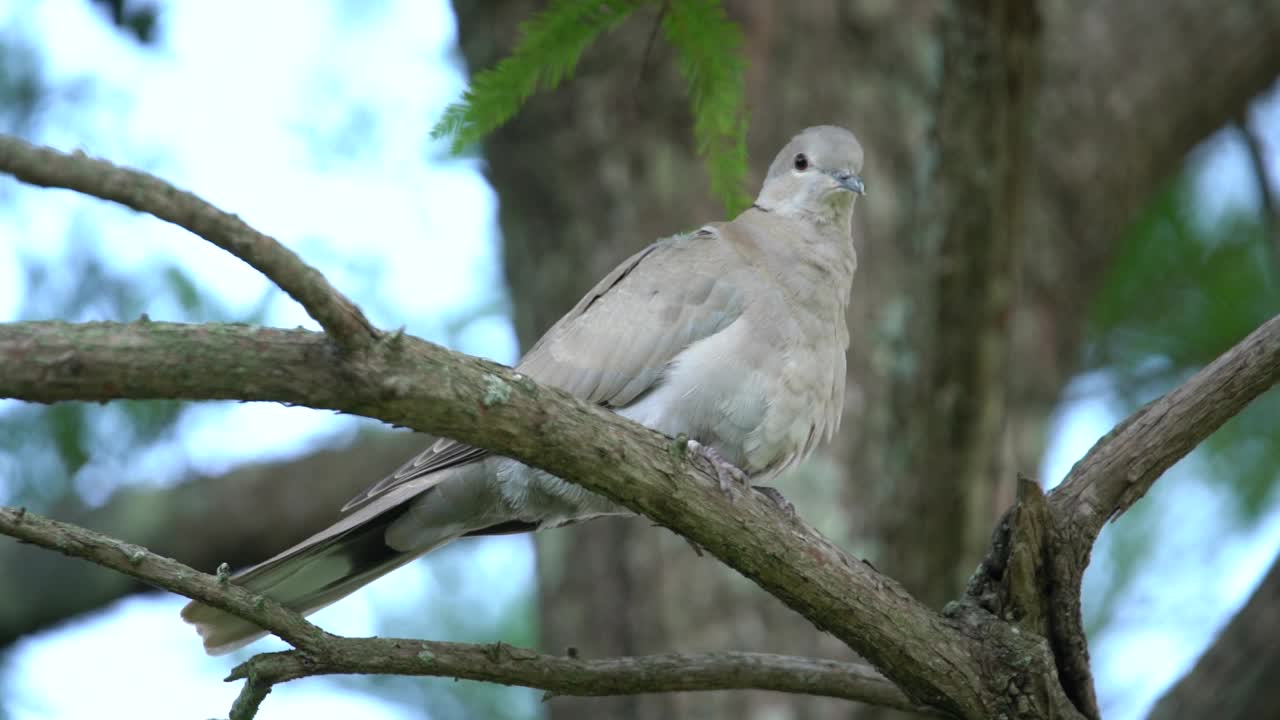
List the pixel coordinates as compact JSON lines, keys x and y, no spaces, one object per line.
{"x":710,"y":48}
{"x":550,"y":46}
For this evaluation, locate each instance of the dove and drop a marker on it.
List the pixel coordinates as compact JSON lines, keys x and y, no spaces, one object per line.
{"x":732,"y":335}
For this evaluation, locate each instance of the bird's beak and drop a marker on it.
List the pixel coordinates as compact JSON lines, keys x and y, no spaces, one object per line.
{"x":850,"y":182}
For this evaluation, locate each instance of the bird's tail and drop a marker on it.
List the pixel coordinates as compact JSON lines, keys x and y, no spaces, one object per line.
{"x":377,"y":536}
{"x":306,"y":578}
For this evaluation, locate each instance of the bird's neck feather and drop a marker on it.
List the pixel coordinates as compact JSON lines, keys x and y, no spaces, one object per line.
{"x":786,"y":240}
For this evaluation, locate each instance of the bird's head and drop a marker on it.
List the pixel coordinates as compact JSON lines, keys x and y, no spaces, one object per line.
{"x":817,"y":175}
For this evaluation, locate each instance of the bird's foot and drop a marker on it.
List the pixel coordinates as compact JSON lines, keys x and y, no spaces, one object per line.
{"x":727,"y":473}
{"x":776,"y":498}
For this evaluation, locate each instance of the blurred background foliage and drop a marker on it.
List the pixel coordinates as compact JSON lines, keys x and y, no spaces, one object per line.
{"x":1185,"y":286}
{"x":1183,"y":289}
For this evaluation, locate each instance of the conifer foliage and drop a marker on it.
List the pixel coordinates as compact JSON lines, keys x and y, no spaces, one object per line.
{"x":709,"y":50}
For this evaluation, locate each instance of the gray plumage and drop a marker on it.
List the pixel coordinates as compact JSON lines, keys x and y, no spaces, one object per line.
{"x":733,"y":335}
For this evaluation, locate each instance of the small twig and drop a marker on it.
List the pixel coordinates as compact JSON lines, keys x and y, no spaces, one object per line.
{"x":46,"y":167}
{"x":142,"y":564}
{"x":647,"y":56}
{"x":1266,"y":192}
{"x":566,"y":675}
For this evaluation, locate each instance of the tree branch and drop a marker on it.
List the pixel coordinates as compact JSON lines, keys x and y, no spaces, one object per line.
{"x":566,"y":675}
{"x":140,"y":563}
{"x":250,"y":512}
{"x":410,"y":382}
{"x":323,"y":654}
{"x":426,"y":387}
{"x":46,"y":167}
{"x":1262,"y":179}
{"x":252,"y":693}
{"x":1124,"y":464}
{"x":991,"y":667}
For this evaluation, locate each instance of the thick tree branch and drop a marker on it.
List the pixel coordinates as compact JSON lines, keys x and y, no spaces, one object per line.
{"x":420,"y":385}
{"x":325,"y":654}
{"x":146,"y":193}
{"x":1124,"y":464}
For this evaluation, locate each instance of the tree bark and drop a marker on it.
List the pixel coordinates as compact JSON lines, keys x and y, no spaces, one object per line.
{"x":952,"y":410}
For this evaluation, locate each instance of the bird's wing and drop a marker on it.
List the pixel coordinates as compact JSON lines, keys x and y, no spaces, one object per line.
{"x":441,"y":454}
{"x":613,"y":345}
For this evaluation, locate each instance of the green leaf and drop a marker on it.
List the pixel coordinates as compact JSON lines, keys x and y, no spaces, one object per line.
{"x":550,"y":46}
{"x":710,"y":48}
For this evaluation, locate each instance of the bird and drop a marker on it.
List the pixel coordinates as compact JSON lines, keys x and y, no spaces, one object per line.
{"x":732,"y":335}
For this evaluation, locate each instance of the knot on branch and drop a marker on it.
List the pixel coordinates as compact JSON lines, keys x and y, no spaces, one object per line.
{"x":1015,"y":588}
{"x":1013,"y":580}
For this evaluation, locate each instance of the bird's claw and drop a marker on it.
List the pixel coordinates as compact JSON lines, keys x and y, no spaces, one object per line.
{"x":777,"y":499}
{"x":727,"y":473}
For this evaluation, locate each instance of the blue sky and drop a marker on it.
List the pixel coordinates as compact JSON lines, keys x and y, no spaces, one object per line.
{"x":318,"y":136}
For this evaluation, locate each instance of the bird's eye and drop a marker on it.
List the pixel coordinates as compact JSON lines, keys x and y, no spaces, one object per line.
{"x":801,"y":162}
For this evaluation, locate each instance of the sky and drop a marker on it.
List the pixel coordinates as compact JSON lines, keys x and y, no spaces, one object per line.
{"x":331,"y":117}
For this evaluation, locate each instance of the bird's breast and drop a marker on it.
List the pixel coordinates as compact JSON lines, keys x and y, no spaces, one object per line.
{"x":760,"y":398}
